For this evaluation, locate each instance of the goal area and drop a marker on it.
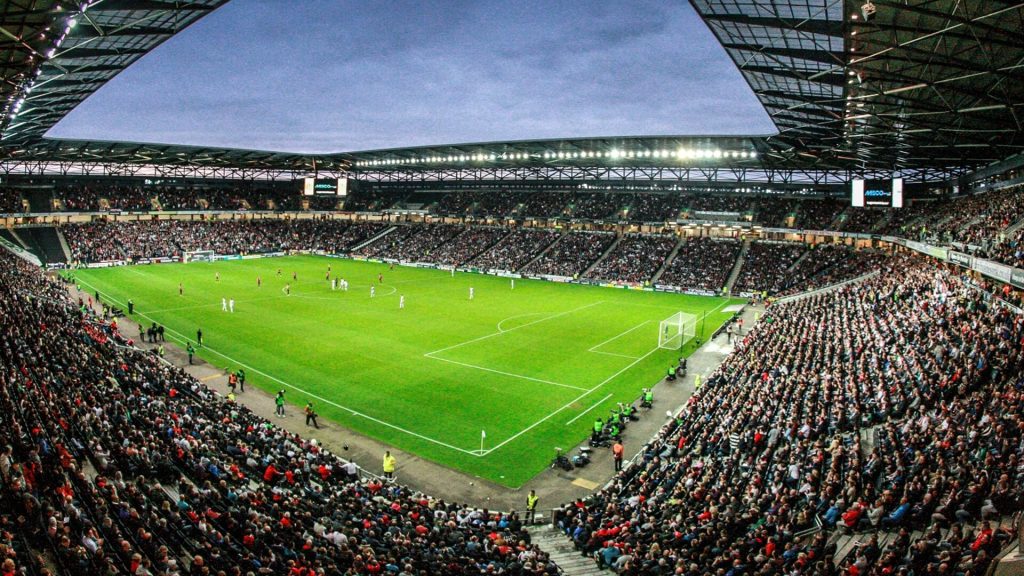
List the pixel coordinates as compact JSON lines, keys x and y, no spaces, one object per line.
{"x":200,"y":256}
{"x":676,"y":330}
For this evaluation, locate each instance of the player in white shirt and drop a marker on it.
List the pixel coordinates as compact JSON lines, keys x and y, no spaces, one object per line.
{"x":344,"y":285}
{"x":401,"y":301}
{"x":373,"y":291}
{"x":334,"y":283}
{"x":470,"y":292}
{"x":231,"y":305}
{"x":513,"y":280}
{"x":223,"y":304}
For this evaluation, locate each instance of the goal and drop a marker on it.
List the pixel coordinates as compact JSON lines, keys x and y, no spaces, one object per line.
{"x":200,"y":256}
{"x":676,"y":330}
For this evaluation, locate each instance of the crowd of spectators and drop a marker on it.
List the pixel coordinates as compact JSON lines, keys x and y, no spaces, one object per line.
{"x":908,"y":222}
{"x":596,"y":206}
{"x":770,"y":445}
{"x":499,"y":203}
{"x":370,"y":200}
{"x":738,"y":203}
{"x":468,"y":244}
{"x":653,"y":207}
{"x":635,"y":259}
{"x":544,"y":204}
{"x":458,"y":203}
{"x":774,"y":211}
{"x":1008,"y":249}
{"x":10,"y":201}
{"x":978,"y":220}
{"x":818,"y":214}
{"x":113,"y":462}
{"x":572,"y":254}
{"x":515,"y":250}
{"x":827,"y":264}
{"x":413,"y":243}
{"x":863,"y":219}
{"x":702,"y":264}
{"x":77,"y":198}
{"x":134,"y":240}
{"x":766,"y":266}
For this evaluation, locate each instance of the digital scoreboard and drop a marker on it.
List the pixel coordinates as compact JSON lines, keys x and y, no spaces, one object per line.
{"x":325,"y":187}
{"x":877,"y":192}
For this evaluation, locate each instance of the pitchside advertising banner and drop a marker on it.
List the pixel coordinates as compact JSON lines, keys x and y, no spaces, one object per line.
{"x":1017,"y":277}
{"x":993,"y":270}
{"x":960,"y":258}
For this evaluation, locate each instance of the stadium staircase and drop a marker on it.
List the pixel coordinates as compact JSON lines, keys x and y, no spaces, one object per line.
{"x":11,"y":236}
{"x":44,"y":242}
{"x":479,"y":252}
{"x":602,"y":257}
{"x":374,"y":239}
{"x":64,"y":245}
{"x":562,"y":552}
{"x":740,"y":260}
{"x":542,"y":253}
{"x":797,"y":262}
{"x":668,"y":260}
{"x":1012,"y":228}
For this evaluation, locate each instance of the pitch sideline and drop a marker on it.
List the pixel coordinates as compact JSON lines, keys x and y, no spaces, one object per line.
{"x":182,"y":339}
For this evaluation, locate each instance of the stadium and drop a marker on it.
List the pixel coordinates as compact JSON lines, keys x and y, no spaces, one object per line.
{"x":798,"y":352}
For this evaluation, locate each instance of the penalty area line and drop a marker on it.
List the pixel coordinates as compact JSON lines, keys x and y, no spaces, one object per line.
{"x":571,"y":402}
{"x":493,"y":334}
{"x":182,"y":339}
{"x":484,"y":368}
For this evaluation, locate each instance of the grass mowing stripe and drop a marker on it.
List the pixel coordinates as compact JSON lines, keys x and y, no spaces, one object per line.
{"x":485,"y":369}
{"x":592,"y":406}
{"x":501,"y":332}
{"x":575,"y":400}
{"x":358,"y":357}
{"x":181,"y":338}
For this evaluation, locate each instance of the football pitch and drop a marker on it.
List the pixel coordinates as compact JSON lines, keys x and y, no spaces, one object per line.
{"x":489,"y":386}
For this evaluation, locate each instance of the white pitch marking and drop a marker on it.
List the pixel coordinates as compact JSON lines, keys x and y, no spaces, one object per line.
{"x":183,"y":339}
{"x":492,"y":335}
{"x":484,"y":368}
{"x":616,"y":337}
{"x":570,"y":403}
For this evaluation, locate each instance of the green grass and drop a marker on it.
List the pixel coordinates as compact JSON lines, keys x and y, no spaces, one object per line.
{"x":523,"y":364}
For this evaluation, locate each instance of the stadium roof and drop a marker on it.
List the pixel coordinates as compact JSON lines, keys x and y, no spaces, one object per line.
{"x":851,"y":86}
{"x":883,"y":83}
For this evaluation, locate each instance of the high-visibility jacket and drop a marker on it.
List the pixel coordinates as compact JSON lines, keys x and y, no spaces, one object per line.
{"x":531,"y":501}
{"x":389,"y":463}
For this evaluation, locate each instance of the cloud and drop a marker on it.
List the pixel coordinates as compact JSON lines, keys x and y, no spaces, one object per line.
{"x":325,"y":76}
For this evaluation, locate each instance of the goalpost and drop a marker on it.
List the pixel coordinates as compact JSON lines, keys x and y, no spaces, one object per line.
{"x":200,"y":256}
{"x":676,"y":330}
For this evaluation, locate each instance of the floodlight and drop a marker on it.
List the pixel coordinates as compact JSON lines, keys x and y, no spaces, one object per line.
{"x":867,"y":10}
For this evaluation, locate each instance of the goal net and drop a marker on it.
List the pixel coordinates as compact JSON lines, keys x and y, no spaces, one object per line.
{"x":676,"y":330}
{"x":200,"y":256}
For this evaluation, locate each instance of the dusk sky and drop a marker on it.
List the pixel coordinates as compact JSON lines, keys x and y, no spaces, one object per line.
{"x":334,"y":76}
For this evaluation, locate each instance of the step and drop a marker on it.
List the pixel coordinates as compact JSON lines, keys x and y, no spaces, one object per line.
{"x":737,"y":266}
{"x":668,"y":260}
{"x":542,"y":252}
{"x":562,"y":552}
{"x":601,"y":258}
{"x":374,"y":239}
